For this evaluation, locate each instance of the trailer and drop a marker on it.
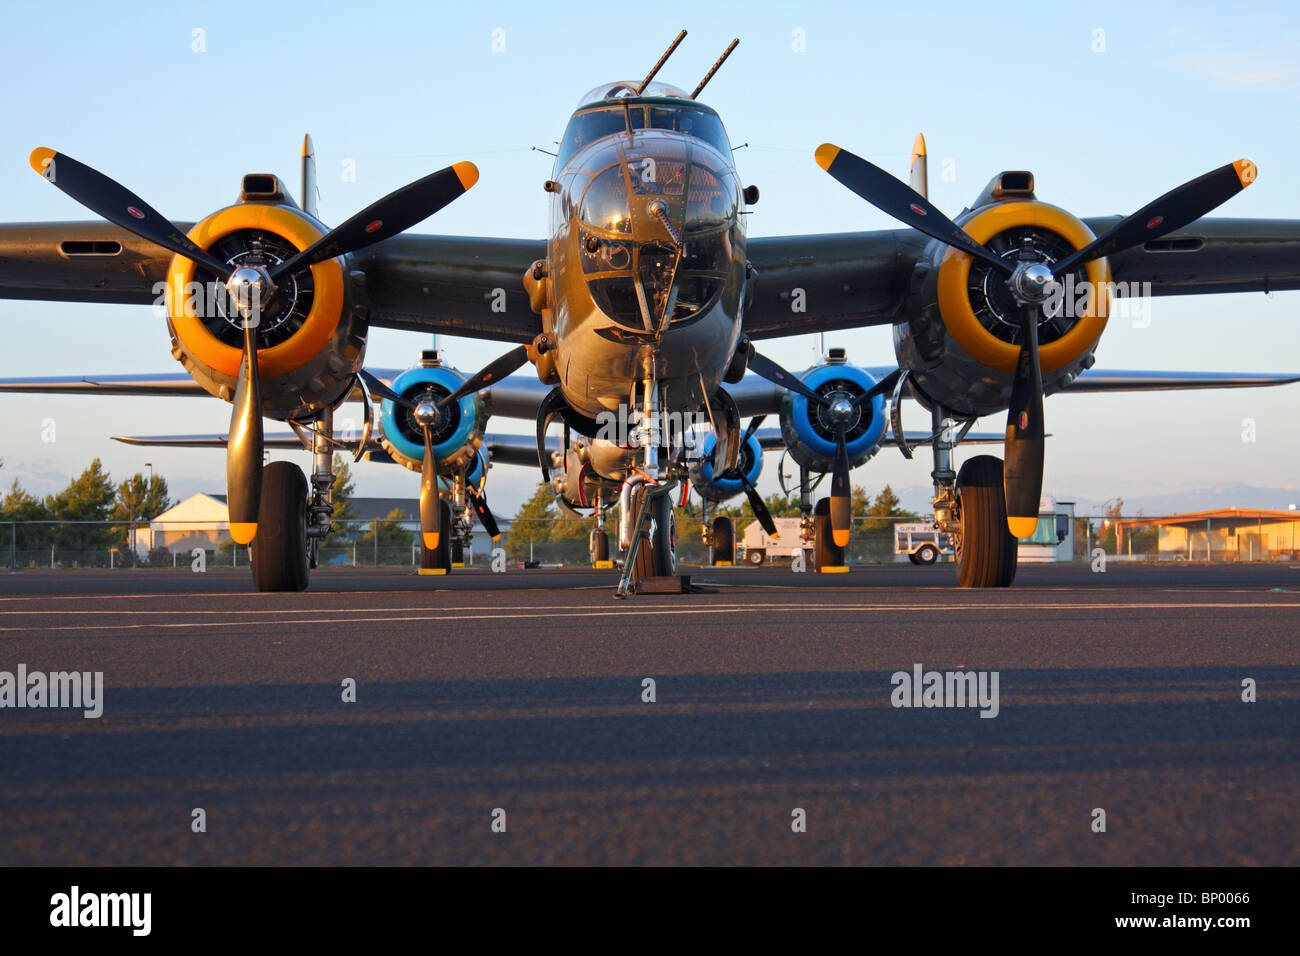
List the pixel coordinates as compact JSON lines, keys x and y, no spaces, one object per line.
{"x":921,"y":541}
{"x":758,"y":546}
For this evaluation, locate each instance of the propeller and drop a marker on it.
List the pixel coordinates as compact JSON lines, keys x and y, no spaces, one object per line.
{"x":250,"y":286}
{"x":756,"y":502}
{"x":478,"y":501}
{"x":244,"y":454}
{"x":430,"y":501}
{"x":840,"y":411}
{"x":114,"y":202}
{"x":1030,"y":281}
{"x":395,"y":213}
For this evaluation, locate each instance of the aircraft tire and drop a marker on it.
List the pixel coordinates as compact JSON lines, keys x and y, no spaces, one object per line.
{"x":724,"y":540}
{"x":440,"y":557}
{"x":657,"y":558}
{"x":599,"y":546}
{"x":279,"y":551}
{"x":986,"y":552}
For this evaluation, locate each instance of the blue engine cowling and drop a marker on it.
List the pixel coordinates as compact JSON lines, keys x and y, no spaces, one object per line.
{"x":807,"y":432}
{"x":712,"y":488}
{"x":456,"y":437}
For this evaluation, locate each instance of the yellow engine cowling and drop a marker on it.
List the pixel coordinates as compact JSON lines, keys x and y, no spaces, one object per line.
{"x":960,"y":342}
{"x":312,"y":335}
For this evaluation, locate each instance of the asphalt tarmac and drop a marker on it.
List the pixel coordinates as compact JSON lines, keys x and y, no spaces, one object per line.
{"x":518,"y":699}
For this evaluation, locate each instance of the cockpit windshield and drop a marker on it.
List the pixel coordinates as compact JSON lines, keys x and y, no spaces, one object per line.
{"x":597,"y":123}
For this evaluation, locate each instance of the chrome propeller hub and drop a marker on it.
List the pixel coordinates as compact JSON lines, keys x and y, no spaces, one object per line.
{"x":249,"y":288}
{"x":1031,"y":282}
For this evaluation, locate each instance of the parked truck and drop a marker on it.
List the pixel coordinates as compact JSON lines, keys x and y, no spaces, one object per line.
{"x":921,"y":541}
{"x":758,"y":547}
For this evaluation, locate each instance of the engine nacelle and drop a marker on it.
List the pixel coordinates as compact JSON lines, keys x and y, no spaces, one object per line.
{"x":457,"y":434}
{"x":312,"y":334}
{"x":806,"y":429}
{"x":715,"y":489}
{"x":961,"y":342}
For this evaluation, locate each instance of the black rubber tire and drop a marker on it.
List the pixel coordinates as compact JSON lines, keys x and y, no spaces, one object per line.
{"x":279,"y":551}
{"x":927,"y":554}
{"x":598,"y":545}
{"x":439,"y":557}
{"x":756,"y":556}
{"x":986,"y":552}
{"x":912,"y":557}
{"x":724,"y":540}
{"x":457,"y":551}
{"x":658,"y":558}
{"x":826,"y":554}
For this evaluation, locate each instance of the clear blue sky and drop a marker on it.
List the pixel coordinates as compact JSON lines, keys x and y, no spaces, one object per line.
{"x":404,"y":88}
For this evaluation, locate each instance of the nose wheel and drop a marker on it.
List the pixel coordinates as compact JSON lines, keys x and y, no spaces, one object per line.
{"x":986,"y":552}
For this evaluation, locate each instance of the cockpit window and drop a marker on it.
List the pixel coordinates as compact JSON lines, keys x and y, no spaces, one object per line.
{"x":711,"y":202}
{"x":693,"y":122}
{"x":587,"y":127}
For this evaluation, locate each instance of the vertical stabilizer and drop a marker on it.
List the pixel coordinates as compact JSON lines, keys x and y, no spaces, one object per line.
{"x":308,"y":176}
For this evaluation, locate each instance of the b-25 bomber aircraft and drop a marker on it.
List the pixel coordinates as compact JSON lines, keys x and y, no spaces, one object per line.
{"x":647,"y":301}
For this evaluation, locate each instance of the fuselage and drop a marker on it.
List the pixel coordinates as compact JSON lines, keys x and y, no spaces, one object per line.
{"x":646,"y":252}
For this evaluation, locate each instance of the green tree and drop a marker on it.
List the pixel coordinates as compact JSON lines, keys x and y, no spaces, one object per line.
{"x":532,"y":523}
{"x":137,"y":500}
{"x":89,"y":497}
{"x":887,"y":505}
{"x":341,"y":499}
{"x":19,"y":506}
{"x":395,"y":542}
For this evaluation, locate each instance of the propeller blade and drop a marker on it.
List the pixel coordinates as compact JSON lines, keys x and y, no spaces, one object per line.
{"x":118,"y":205}
{"x":495,"y":370}
{"x":759,"y":507}
{"x":383,"y":391}
{"x":1175,"y":209}
{"x":479,"y":503}
{"x":396,"y":212}
{"x":886,"y":384}
{"x":841,"y":495}
{"x":1022,"y":471}
{"x":901,"y":201}
{"x":764,"y":367}
{"x":753,"y":427}
{"x":244,"y":447}
{"x":430,"y":501}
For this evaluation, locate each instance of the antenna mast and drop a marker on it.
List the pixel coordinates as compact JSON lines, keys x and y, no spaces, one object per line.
{"x":662,"y":60}
{"x":722,"y":59}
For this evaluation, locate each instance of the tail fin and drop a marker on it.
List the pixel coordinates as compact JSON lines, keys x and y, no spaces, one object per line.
{"x":920,"y":180}
{"x":308,"y":176}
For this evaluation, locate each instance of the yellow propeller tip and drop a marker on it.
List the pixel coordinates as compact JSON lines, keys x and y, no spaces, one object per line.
{"x":496,"y":537}
{"x":431,"y":540}
{"x":826,"y":154}
{"x":467,"y":173}
{"x":918,"y":146}
{"x":243,"y":532}
{"x":1022,"y":527}
{"x":1247,"y":171}
{"x":41,"y":157}
{"x":841,"y":538}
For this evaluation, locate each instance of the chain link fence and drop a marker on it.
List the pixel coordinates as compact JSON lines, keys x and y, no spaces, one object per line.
{"x":1247,"y":537}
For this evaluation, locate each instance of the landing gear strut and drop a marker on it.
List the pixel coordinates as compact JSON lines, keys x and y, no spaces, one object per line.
{"x":971,"y":507}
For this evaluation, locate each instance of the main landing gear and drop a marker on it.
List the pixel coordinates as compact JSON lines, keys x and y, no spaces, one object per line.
{"x":971,"y":506}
